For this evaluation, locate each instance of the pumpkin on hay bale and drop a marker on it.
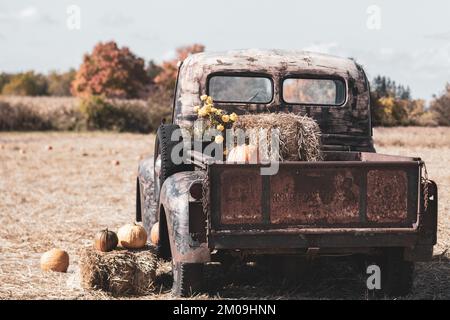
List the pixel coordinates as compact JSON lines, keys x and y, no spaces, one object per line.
{"x":299,"y":136}
{"x":105,"y":240}
{"x":132,"y":236}
{"x":120,"y":272}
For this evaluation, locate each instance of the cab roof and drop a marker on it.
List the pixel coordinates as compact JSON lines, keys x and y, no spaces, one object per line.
{"x":271,"y":61}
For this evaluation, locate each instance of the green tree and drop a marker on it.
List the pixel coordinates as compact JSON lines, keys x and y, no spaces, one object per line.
{"x":59,"y":83}
{"x":4,"y":79}
{"x":390,"y":103}
{"x":153,"y":70}
{"x":385,"y":87}
{"x":26,"y":84}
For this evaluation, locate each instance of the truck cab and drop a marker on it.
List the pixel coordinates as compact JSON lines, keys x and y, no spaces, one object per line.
{"x":353,"y":201}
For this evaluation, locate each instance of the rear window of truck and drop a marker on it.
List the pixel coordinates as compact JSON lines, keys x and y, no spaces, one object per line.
{"x":311,"y":91}
{"x":240,"y":89}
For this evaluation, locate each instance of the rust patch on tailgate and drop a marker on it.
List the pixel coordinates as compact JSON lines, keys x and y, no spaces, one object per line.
{"x":314,"y":196}
{"x":387,"y":195}
{"x":241,"y":197}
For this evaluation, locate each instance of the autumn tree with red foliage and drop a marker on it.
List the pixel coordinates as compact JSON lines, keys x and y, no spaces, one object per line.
{"x":111,"y":71}
{"x":168,"y":76}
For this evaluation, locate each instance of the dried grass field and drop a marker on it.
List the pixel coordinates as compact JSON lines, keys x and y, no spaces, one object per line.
{"x":60,"y":196}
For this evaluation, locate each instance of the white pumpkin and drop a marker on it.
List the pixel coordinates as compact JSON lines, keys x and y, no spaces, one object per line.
{"x":243,"y":153}
{"x":132,"y":236}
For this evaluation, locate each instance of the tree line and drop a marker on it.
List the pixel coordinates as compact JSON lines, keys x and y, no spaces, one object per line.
{"x":116,"y":72}
{"x":391,"y":105}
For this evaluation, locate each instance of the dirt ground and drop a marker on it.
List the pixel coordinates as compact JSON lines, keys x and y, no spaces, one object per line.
{"x":58,"y":189}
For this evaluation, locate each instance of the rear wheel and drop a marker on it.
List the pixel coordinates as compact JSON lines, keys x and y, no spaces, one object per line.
{"x":187,"y":278}
{"x":397,"y":275}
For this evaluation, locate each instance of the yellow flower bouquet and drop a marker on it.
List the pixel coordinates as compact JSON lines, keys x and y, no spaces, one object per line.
{"x":214,"y":118}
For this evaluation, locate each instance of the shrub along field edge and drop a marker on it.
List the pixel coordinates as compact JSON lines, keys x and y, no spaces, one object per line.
{"x":77,"y":114}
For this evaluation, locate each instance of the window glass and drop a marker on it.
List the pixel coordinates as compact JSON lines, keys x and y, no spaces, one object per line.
{"x":314,"y":91}
{"x":241,"y":89}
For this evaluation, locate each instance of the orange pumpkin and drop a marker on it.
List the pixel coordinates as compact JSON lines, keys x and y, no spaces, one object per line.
{"x":154,"y":234}
{"x":243,"y":153}
{"x":105,"y":241}
{"x":55,"y":260}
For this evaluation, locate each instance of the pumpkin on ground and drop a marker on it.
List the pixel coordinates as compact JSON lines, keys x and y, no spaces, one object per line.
{"x":105,"y":241}
{"x":55,"y":260}
{"x":154,"y":234}
{"x":132,"y":236}
{"x":243,"y":153}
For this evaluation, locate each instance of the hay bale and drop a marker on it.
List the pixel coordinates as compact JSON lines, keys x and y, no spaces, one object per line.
{"x":145,"y":274}
{"x":120,"y":272}
{"x":119,"y":268}
{"x":92,"y":270}
{"x":299,"y":136}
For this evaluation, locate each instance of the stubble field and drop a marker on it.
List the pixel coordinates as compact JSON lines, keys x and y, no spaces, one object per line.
{"x":58,"y":189}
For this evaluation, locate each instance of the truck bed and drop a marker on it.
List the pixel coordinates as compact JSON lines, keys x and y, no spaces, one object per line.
{"x":350,"y":202}
{"x":346,"y":190}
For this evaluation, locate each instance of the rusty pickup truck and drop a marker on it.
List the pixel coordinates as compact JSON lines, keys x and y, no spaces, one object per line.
{"x":354,"y":201}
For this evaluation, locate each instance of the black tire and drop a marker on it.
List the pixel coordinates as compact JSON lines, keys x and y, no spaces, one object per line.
{"x":397,"y":275}
{"x":187,"y":279}
{"x":163,"y":147}
{"x":163,"y":247}
{"x":145,"y":212}
{"x":138,"y":201}
{"x":227,"y":262}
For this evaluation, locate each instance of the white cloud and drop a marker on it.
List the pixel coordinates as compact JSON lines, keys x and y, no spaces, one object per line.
{"x":28,"y":13}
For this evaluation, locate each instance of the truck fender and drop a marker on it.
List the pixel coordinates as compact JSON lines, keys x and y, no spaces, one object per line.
{"x":174,"y":201}
{"x":145,"y":192}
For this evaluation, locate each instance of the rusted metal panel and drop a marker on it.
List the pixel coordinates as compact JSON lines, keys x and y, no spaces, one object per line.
{"x":314,"y":196}
{"x":322,"y":238}
{"x":240,"y":197}
{"x":355,"y":194}
{"x":387,"y":195}
{"x":368,"y":156}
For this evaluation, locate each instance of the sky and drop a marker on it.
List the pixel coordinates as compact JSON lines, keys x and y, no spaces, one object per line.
{"x":408,"y":41}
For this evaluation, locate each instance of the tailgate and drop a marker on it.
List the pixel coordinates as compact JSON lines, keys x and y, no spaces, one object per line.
{"x":306,"y":195}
